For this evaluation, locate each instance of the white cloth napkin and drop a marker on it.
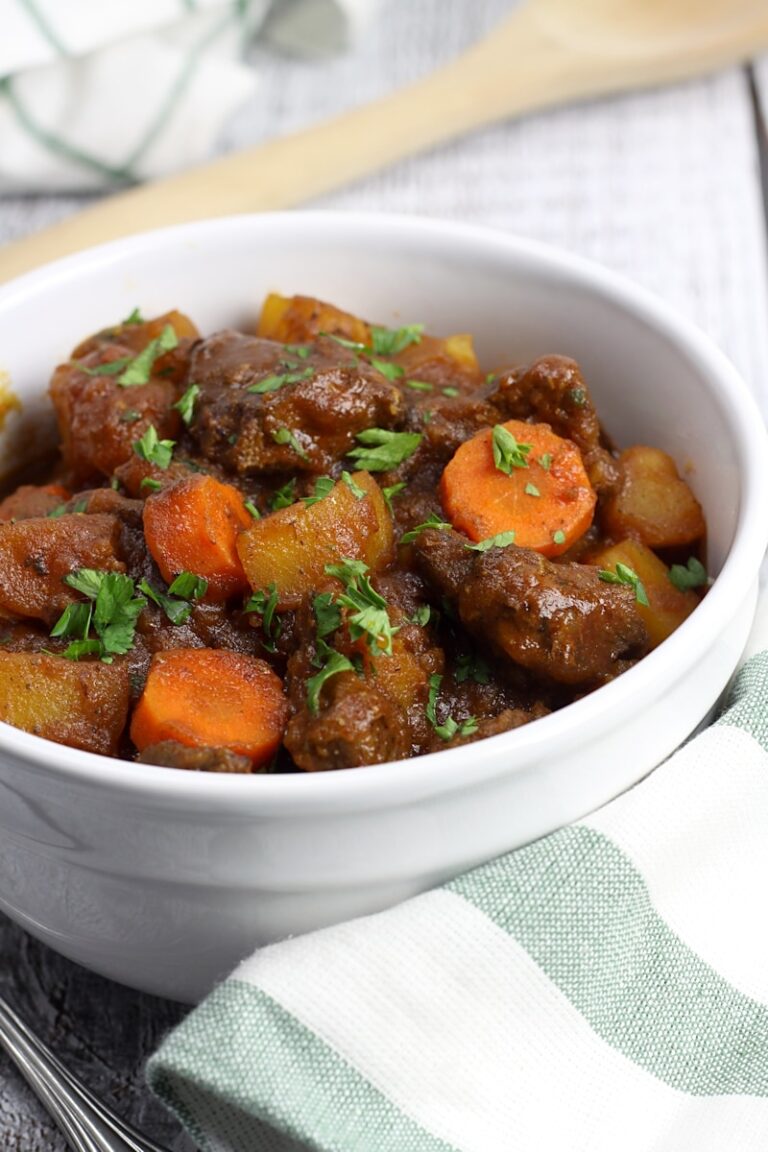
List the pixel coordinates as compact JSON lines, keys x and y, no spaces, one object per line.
{"x":95,"y":94}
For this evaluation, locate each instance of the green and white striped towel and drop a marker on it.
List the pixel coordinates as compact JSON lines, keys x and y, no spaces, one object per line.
{"x":604,"y":989}
{"x":94,"y":93}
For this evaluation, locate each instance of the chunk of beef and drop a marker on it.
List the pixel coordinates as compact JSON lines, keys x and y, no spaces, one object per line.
{"x":36,"y":555}
{"x":99,"y":421}
{"x":560,"y":621}
{"x":171,"y":754}
{"x":307,"y":423}
{"x":553,"y":391}
{"x":32,"y":500}
{"x":358,"y":725}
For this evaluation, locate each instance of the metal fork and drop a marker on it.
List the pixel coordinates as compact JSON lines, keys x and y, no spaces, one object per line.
{"x":88,"y":1125}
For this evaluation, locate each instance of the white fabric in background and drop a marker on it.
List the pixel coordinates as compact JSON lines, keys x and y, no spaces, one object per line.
{"x":93,"y":95}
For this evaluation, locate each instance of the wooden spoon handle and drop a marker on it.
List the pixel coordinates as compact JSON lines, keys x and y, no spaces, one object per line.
{"x":525,"y":64}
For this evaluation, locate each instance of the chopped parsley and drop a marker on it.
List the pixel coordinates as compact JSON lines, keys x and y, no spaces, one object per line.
{"x":507,"y":452}
{"x":186,"y":405}
{"x":285,"y":496}
{"x":390,"y":341}
{"x":176,"y":603}
{"x":391,"y":371}
{"x":300,"y":350}
{"x":275,"y":381}
{"x":323,"y":485}
{"x":578,"y":396}
{"x":264,"y":604}
{"x":422,"y":615}
{"x":693,"y":574}
{"x":251,"y":507}
{"x":532,"y":490}
{"x":285,"y":436}
{"x":626,"y":575}
{"x":450,"y":391}
{"x":153,"y":450}
{"x":367,"y":617}
{"x":420,"y":385}
{"x":135,"y":317}
{"x":500,"y":540}
{"x":139,"y":369}
{"x":382,"y":450}
{"x":151,"y":483}
{"x":546,"y":461}
{"x":470,"y":666}
{"x":335,"y":663}
{"x":358,"y":492}
{"x":353,"y":345}
{"x":327,"y":614}
{"x":392,"y":490}
{"x":108,"y":368}
{"x":559,"y":536}
{"x":431,"y":522}
{"x":130,"y":416}
{"x":449,"y":728}
{"x":112,"y":612}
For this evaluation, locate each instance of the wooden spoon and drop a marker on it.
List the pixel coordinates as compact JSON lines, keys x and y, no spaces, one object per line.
{"x":545,"y":53}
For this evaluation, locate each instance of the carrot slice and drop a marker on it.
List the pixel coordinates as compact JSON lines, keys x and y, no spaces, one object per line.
{"x":193,"y":526}
{"x":211,"y":697}
{"x":545,"y":498}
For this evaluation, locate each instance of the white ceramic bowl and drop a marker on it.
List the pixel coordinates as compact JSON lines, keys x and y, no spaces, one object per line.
{"x":164,"y":879}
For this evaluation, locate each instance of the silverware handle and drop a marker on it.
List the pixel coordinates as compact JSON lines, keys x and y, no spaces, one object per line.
{"x":88,"y":1125}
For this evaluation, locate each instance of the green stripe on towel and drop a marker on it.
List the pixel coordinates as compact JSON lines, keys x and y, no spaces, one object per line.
{"x":304,"y":1088}
{"x":582,"y":911}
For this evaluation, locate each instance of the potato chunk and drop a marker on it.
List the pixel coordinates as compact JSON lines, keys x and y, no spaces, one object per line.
{"x":668,"y":605}
{"x":653,"y":504}
{"x":82,"y":705}
{"x":295,"y":319}
{"x":291,"y":547}
{"x":36,"y":555}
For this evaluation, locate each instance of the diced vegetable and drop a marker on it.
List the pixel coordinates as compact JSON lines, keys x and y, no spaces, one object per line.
{"x":193,"y":526}
{"x":519,"y":478}
{"x":206,"y":697}
{"x":653,"y":504}
{"x":293,"y":319}
{"x":668,"y":606}
{"x":83,"y":705}
{"x":291,"y":547}
{"x":36,"y":555}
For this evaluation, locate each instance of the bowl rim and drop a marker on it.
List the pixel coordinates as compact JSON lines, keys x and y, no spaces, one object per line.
{"x":402,"y":781}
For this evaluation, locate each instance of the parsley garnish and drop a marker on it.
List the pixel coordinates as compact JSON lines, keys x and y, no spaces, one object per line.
{"x":626,"y":575}
{"x":450,"y":391}
{"x":469,"y":666}
{"x":130,"y":416}
{"x":275,"y":381}
{"x":300,"y":350}
{"x":353,"y":345}
{"x":264,"y":603}
{"x":327,"y":614}
{"x":186,"y":405}
{"x":139,"y":369}
{"x":391,"y":491}
{"x":112,"y":612}
{"x":507,"y":452}
{"x":285,"y":496}
{"x":187,"y":586}
{"x":336,"y":663}
{"x":134,"y":318}
{"x":559,"y":536}
{"x":390,"y":341}
{"x":251,"y":507}
{"x":449,"y":728}
{"x":690,"y":575}
{"x":391,"y":371}
{"x":285,"y":436}
{"x":431,"y":522}
{"x":323,"y":485}
{"x":108,"y":368}
{"x":500,"y":540}
{"x":532,"y":490}
{"x":368,"y":618}
{"x":151,"y":483}
{"x":354,"y":488}
{"x":546,"y":461}
{"x":422,"y":615}
{"x":578,"y":396}
{"x":154,"y":451}
{"x":420,"y":385}
{"x":383,"y":450}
